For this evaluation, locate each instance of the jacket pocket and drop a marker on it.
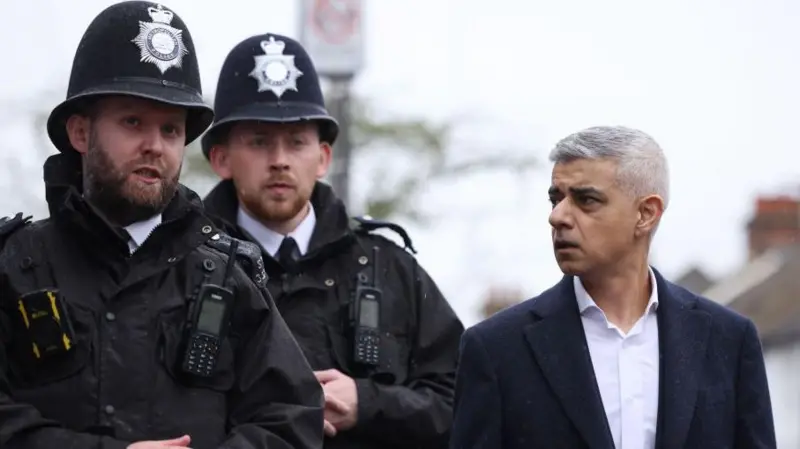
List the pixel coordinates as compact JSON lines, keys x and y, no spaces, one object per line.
{"x":29,"y":372}
{"x":172,"y":347}
{"x":197,"y":405}
{"x":393,"y":368}
{"x":393,"y":357}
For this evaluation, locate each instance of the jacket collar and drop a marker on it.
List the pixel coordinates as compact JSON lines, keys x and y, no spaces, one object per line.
{"x":333,"y":223}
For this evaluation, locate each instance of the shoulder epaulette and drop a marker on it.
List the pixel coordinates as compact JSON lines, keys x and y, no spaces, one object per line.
{"x":247,"y":252}
{"x":10,"y":225}
{"x":366,"y":224}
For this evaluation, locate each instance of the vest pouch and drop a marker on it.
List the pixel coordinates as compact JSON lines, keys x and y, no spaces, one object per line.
{"x":393,"y":358}
{"x":52,"y":339}
{"x":393,"y":366}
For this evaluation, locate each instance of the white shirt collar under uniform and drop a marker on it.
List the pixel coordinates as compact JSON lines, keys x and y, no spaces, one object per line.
{"x":271,"y":240}
{"x":140,"y":231}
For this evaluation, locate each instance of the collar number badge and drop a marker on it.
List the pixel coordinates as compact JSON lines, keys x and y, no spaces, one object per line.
{"x":159,"y":43}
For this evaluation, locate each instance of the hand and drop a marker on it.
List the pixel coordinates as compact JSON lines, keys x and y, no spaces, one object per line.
{"x":341,"y":401}
{"x":182,"y":442}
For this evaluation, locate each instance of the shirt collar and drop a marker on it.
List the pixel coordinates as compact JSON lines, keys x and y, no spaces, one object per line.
{"x":271,"y":240}
{"x":585,"y":302}
{"x":140,"y":231}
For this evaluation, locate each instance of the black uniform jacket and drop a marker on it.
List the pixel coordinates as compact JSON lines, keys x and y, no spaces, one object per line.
{"x":121,"y":381}
{"x":406,"y":401}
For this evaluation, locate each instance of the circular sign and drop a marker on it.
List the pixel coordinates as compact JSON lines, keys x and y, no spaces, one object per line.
{"x":335,"y":21}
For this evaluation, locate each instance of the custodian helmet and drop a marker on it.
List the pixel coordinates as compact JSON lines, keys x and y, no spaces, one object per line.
{"x":269,"y":78}
{"x":139,"y":49}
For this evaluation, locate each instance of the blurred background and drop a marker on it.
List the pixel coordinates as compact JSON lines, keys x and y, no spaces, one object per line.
{"x":454,"y":105}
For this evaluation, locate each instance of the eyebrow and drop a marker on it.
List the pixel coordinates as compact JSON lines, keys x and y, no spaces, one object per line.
{"x":130,"y":107}
{"x":272,"y":132}
{"x":585,"y":191}
{"x":553,"y":191}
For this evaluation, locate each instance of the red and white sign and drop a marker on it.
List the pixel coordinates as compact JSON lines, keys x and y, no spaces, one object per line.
{"x":332,"y":33}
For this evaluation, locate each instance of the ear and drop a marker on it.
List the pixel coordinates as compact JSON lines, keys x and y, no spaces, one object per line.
{"x":651,"y":208}
{"x":325,"y":156}
{"x":79,"y":129}
{"x":219,"y":158}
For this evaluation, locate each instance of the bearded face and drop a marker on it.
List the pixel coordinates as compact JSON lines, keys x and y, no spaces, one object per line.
{"x":132,"y":191}
{"x":132,"y":155}
{"x":274,"y":167}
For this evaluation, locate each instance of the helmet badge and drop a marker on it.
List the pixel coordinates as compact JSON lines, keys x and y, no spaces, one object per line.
{"x":275,"y":71}
{"x":159,"y":43}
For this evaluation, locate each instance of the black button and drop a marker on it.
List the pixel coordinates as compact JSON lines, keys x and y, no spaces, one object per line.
{"x":110,"y":316}
{"x":109,"y":409}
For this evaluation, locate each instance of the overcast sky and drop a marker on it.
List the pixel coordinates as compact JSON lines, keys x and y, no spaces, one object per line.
{"x":715,"y":82}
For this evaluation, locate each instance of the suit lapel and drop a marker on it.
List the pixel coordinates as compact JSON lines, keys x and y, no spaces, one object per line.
{"x":559,"y":346}
{"x":683,"y":334}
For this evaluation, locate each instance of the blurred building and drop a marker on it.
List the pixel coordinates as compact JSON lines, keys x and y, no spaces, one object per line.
{"x":767,"y":290}
{"x":695,"y":280}
{"x":499,"y":298}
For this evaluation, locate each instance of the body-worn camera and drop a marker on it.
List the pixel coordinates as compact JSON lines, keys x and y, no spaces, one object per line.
{"x":365,"y":317}
{"x":48,"y":322}
{"x":209,"y":323}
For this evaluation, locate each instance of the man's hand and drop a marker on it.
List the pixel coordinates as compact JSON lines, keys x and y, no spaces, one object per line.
{"x":341,"y":401}
{"x":182,"y":442}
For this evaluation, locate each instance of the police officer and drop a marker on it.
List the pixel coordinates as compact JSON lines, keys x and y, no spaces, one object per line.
{"x":375,"y":328}
{"x":123,"y":323}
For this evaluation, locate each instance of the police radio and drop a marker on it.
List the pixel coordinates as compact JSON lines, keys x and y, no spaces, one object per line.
{"x":210,"y":323}
{"x":365,"y":317}
{"x":47,"y":320}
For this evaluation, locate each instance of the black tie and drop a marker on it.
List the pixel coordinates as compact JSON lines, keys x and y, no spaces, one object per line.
{"x":288,"y":253}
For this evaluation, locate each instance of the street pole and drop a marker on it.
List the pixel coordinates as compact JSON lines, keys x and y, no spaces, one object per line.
{"x":343,"y":148}
{"x":332,"y":33}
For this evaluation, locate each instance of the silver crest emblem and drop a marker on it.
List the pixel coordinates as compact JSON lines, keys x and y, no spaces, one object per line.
{"x":159,"y":43}
{"x":275,"y":71}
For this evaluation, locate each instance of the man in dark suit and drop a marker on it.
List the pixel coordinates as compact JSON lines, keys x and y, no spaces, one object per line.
{"x":613,"y":356}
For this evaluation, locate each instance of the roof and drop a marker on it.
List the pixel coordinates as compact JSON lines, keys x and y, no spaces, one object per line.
{"x":747,"y":277}
{"x":766,"y":290}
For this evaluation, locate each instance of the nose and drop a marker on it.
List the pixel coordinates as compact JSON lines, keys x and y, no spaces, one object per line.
{"x":279,"y":157}
{"x":154,"y":141}
{"x":561,"y":216}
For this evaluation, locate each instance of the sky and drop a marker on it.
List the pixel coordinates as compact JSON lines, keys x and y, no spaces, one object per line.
{"x":715,"y":83}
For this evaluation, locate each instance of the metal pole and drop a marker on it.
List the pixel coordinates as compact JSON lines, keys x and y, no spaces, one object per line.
{"x":343,"y":148}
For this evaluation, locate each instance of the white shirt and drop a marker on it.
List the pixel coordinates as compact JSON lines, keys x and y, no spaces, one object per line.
{"x":271,"y":240}
{"x":140,"y":231}
{"x":627,"y":369}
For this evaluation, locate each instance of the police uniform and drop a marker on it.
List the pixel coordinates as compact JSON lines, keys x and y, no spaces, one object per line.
{"x":93,"y":335}
{"x":405,"y":399}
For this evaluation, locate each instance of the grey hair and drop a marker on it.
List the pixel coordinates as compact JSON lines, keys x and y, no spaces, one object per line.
{"x":641,"y":165}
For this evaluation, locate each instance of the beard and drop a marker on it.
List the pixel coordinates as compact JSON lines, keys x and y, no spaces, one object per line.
{"x":121,"y":199}
{"x":268,"y":208}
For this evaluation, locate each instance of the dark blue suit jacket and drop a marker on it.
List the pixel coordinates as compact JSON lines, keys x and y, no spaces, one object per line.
{"x":525,"y":378}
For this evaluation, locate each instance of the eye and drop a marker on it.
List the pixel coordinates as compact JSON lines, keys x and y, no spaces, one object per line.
{"x":131,"y":121}
{"x":257,"y":142}
{"x":171,"y":130}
